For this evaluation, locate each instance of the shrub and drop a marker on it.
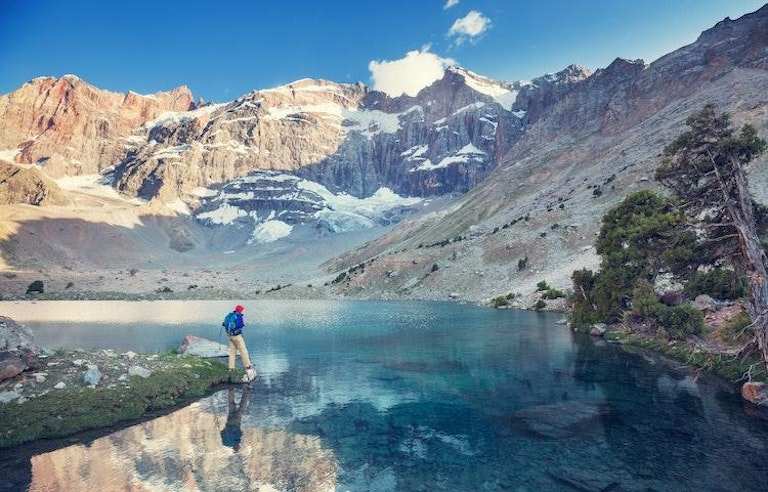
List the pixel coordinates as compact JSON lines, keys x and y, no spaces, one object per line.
{"x":672,"y":298}
{"x":435,"y":267}
{"x":718,"y":283}
{"x":500,"y":301}
{"x":735,"y":330}
{"x":522,"y":263}
{"x":540,"y":305}
{"x":681,"y":321}
{"x":542,"y":286}
{"x":553,"y":294}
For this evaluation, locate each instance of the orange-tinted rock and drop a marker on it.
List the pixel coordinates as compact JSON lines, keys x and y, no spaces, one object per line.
{"x":73,"y":128}
{"x":756,"y":393}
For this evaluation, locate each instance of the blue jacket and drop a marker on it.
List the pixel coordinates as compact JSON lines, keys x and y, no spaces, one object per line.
{"x":239,"y":324}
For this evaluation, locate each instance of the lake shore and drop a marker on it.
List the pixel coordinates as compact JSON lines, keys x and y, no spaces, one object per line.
{"x":58,"y":399}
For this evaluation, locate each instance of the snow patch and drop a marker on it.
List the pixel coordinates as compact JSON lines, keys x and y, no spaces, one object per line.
{"x":94,"y":185}
{"x":339,"y":213}
{"x":223,"y":215}
{"x":10,"y":154}
{"x":366,"y":122}
{"x":203,"y":192}
{"x":179,"y":207}
{"x":466,"y":154}
{"x":270,"y":231}
{"x":176,"y":118}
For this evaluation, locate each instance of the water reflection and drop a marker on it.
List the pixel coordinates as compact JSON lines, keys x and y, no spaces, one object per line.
{"x":184,"y":451}
{"x":392,"y":397}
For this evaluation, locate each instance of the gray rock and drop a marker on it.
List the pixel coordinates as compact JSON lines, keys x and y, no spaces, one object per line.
{"x":60,"y":385}
{"x":8,"y":396}
{"x":598,"y":329}
{"x":14,"y":336}
{"x":202,"y":347}
{"x":139,"y":371}
{"x":92,"y":375}
{"x":705,"y":303}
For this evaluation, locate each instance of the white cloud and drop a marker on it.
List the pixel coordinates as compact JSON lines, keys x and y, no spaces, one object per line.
{"x":450,"y":3}
{"x":469,"y":27}
{"x":410,"y":74}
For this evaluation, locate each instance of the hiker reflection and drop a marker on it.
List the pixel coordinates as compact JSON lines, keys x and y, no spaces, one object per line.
{"x":232,"y":434}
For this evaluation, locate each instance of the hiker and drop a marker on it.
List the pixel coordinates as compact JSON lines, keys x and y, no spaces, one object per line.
{"x":234,"y":324}
{"x":232,"y":434}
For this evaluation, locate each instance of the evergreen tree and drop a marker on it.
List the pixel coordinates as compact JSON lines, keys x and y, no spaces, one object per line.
{"x":704,"y":168}
{"x":642,"y":236}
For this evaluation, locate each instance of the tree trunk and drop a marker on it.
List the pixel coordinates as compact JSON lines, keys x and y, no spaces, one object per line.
{"x":741,"y":209}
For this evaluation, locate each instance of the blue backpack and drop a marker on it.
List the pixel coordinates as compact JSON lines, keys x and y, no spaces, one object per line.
{"x":230,"y":324}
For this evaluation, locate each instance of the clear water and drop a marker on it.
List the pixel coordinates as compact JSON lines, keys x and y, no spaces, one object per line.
{"x":403,"y":396}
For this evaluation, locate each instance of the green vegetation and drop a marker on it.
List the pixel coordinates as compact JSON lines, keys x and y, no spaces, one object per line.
{"x":718,"y":283}
{"x":708,"y":235}
{"x":643,"y":235}
{"x":62,"y":412}
{"x":502,"y":300}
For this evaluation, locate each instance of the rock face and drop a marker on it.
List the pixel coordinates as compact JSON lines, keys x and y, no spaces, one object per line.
{"x":72,"y":128}
{"x":588,"y":141}
{"x":30,"y":186}
{"x":342,"y":136}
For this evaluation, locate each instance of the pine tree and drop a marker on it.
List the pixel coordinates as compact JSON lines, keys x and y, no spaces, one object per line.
{"x":704,"y":168}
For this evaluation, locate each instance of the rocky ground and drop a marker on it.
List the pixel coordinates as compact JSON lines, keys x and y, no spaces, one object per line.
{"x":53,"y":394}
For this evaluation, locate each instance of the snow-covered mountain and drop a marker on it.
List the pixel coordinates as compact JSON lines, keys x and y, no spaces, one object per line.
{"x":476,"y":174}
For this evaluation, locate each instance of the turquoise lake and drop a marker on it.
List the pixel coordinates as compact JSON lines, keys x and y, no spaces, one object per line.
{"x":400,"y":396}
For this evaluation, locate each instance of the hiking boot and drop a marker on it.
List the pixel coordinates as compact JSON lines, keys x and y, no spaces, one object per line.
{"x":250,"y":375}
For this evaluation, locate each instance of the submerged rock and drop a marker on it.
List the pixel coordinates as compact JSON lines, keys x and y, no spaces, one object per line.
{"x":560,"y":419}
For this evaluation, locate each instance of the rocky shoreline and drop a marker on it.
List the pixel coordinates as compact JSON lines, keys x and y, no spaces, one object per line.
{"x":46,"y":394}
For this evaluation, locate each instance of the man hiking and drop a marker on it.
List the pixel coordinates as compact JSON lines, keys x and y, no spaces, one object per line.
{"x":233,"y":324}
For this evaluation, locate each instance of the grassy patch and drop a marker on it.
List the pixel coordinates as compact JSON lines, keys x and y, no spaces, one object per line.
{"x":60,"y":413}
{"x":729,"y":367}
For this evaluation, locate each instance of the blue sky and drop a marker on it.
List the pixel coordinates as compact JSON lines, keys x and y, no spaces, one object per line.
{"x":222,"y":49}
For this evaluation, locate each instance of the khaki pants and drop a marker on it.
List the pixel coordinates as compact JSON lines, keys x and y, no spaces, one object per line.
{"x":237,"y":343}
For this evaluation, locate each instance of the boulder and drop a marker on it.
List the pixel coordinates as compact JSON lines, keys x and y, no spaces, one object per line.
{"x":13,"y":335}
{"x":202,"y":347}
{"x":11,"y":365}
{"x":561,"y":419}
{"x":705,"y":303}
{"x":598,"y":329}
{"x":9,"y":396}
{"x":754,"y":392}
{"x":139,"y":371}
{"x":92,"y":375}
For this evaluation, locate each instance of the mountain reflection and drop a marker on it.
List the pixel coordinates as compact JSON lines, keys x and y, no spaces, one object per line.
{"x":184,"y":451}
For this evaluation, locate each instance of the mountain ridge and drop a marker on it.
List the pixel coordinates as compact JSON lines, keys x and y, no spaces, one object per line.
{"x":522,"y":171}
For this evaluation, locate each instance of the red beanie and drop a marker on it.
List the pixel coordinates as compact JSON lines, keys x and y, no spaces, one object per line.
{"x":239,"y":308}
